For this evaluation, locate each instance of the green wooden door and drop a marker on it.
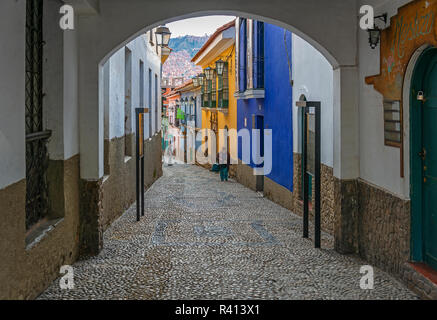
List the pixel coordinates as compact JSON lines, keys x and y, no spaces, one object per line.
{"x":429,"y":168}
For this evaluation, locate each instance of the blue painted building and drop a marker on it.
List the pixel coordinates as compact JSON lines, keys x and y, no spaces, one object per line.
{"x":265,"y":98}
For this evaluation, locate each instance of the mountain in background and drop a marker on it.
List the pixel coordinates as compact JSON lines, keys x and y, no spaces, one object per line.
{"x":179,"y":62}
{"x":191,"y":44}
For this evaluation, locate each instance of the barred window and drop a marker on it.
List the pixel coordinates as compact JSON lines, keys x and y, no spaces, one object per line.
{"x":258,"y":61}
{"x":249,"y":54}
{"x":208,"y":93}
{"x":213,"y":102}
{"x":211,"y":92}
{"x":242,"y":56}
{"x":37,"y":158}
{"x":223,"y":88}
{"x":204,"y":95}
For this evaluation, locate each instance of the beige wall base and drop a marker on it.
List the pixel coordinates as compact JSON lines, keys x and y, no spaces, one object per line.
{"x":278,"y":194}
{"x":383,"y":228}
{"x":373,"y":223}
{"x":25,"y":271}
{"x":244,"y":175}
{"x":82,"y":209}
{"x":119,"y":187}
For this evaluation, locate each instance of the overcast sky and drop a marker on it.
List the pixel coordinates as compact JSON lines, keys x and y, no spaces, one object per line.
{"x":197,"y":26}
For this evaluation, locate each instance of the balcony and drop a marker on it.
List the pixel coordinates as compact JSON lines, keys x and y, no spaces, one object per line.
{"x":223,"y":106}
{"x":258,"y":93}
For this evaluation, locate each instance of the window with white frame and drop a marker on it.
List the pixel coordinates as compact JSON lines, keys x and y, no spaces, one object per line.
{"x":223,"y":88}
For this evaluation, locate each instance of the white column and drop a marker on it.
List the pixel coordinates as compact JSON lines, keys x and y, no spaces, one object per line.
{"x":71,"y":99}
{"x":346,"y":123}
{"x":91,"y":115}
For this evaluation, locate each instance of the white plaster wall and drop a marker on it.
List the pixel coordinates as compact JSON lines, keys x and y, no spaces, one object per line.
{"x":12,"y":88}
{"x":379,"y":164}
{"x":141,"y":50}
{"x":71,"y":99}
{"x":106,"y":70}
{"x":116,"y":94}
{"x":313,"y":77}
{"x":53,"y":76}
{"x":60,"y":85}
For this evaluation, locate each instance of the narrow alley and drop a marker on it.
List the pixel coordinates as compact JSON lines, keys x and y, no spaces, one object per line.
{"x":202,"y":238}
{"x":321,"y":113}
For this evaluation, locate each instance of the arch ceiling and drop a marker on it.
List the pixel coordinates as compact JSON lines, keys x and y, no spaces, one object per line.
{"x":330,"y":26}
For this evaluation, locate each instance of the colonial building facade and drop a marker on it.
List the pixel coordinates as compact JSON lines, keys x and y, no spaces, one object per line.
{"x":191,"y":106}
{"x":265,"y":101}
{"x":274,"y":69}
{"x":173,"y":138}
{"x":219,"y":107}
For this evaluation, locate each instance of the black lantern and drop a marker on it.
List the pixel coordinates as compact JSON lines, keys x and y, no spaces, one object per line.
{"x":375,"y":32}
{"x":220,"y":64}
{"x":209,"y":72}
{"x":374,"y":35}
{"x":162,"y":36}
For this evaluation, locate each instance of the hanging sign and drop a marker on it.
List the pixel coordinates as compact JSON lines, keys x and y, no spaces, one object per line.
{"x":141,"y":134}
{"x":180,"y":114}
{"x":139,"y":129}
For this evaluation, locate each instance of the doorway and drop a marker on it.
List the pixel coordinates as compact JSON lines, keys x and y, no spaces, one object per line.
{"x":423,"y":102}
{"x":258,"y":123}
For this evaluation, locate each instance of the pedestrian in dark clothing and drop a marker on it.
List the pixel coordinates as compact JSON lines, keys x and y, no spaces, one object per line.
{"x":225,"y":161}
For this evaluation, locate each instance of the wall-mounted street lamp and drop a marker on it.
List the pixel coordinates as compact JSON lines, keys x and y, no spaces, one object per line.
{"x":374,"y":35}
{"x":162,"y":36}
{"x":220,"y":64}
{"x":195,"y":81}
{"x":375,"y":32}
{"x":198,"y":80}
{"x":209,"y":73}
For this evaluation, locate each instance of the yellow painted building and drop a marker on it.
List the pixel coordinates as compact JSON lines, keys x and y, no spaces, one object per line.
{"x":219,"y":107}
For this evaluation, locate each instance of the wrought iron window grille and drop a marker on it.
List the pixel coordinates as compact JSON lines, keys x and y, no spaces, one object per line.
{"x":37,"y":200}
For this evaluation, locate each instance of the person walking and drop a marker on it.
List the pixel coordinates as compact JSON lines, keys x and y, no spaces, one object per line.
{"x":224,"y":163}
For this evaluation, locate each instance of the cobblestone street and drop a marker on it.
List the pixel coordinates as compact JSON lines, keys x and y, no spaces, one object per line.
{"x":205,"y":239}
